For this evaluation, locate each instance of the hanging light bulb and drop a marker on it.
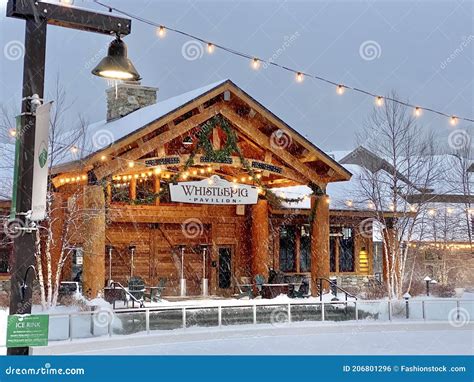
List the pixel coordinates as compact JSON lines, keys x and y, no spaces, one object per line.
{"x":299,"y":77}
{"x":210,"y":47}
{"x":158,"y":170}
{"x":379,"y":101}
{"x":255,"y":63}
{"x":12,"y":132}
{"x":103,"y":158}
{"x":340,"y":89}
{"x":161,"y":31}
{"x":131,"y":164}
{"x":453,"y":120}
{"x":417,"y":111}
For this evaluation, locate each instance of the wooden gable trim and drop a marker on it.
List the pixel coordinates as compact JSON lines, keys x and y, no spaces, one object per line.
{"x":119,"y":164}
{"x":340,"y":170}
{"x":264,"y":141}
{"x":88,"y":162}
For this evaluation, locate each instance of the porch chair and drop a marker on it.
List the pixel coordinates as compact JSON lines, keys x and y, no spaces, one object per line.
{"x":156,"y":292}
{"x":136,"y":287}
{"x":244,"y":291}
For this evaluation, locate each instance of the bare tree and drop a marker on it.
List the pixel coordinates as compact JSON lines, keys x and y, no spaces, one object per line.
{"x":66,"y":143}
{"x":399,"y":161}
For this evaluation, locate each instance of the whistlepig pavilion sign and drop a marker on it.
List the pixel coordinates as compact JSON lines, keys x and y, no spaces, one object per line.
{"x":213,"y":190}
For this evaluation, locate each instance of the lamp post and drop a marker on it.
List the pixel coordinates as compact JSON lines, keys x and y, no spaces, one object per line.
{"x":427,"y":280}
{"x":182,"y":281}
{"x":205,"y":280}
{"x":132,"y":249}
{"x":37,"y":16}
{"x":407,"y":297}
{"x":109,"y":251}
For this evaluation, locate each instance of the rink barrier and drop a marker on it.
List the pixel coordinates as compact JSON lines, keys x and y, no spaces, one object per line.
{"x":286,"y":311}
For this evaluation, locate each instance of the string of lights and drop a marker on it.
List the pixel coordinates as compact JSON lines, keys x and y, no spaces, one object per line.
{"x":256,"y":62}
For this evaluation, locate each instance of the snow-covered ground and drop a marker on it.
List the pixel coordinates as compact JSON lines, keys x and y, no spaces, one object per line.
{"x":165,"y":320}
{"x":298,"y":338}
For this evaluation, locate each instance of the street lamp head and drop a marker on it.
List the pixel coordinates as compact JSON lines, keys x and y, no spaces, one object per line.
{"x":433,"y":282}
{"x":116,"y":65}
{"x":427,"y":278}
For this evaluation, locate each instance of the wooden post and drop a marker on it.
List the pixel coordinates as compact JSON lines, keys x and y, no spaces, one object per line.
{"x":93,"y":272}
{"x":319,"y":240}
{"x":260,"y":239}
{"x":133,"y":189}
{"x":157,"y":188}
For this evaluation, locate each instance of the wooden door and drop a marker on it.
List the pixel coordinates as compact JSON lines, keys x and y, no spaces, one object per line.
{"x":224,"y":270}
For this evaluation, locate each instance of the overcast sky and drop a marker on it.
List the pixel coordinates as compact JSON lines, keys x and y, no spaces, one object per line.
{"x":407,"y":46}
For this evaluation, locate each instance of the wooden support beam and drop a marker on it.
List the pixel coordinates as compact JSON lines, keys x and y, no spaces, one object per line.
{"x":93,"y":273}
{"x":264,"y":141}
{"x":343,"y":174}
{"x":133,"y":189}
{"x":70,"y":17}
{"x":319,"y":240}
{"x":120,"y":164}
{"x":260,"y":239}
{"x":157,"y":187}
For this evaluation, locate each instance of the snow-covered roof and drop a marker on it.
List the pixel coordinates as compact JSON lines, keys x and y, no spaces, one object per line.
{"x":348,"y":195}
{"x":102,"y":134}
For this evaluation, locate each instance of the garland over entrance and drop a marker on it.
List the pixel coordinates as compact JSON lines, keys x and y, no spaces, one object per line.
{"x":230,"y":147}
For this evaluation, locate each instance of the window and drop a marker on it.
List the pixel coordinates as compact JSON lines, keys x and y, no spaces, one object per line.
{"x":305,"y":249}
{"x":346,"y":251}
{"x":295,"y":248}
{"x":288,"y":248}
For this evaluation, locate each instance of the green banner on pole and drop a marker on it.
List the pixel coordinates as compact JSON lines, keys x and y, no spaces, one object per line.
{"x":27,"y":330}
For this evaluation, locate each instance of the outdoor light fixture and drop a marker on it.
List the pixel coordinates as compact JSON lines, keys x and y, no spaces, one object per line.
{"x":187,"y":141}
{"x":116,"y":65}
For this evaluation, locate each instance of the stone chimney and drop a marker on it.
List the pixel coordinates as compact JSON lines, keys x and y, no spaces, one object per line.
{"x":127,"y":97}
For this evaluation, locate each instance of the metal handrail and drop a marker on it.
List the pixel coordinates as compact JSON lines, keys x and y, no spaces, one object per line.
{"x":142,"y":305}
{"x":332,"y":283}
{"x":286,"y":306}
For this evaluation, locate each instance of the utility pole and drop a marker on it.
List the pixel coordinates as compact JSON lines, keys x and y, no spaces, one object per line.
{"x":37,"y":16}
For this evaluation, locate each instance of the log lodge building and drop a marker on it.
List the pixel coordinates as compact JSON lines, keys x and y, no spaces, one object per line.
{"x":182,"y":189}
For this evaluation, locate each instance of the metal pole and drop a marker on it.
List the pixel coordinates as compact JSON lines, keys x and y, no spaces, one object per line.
{"x":320,"y":289}
{"x":427,"y":288}
{"x":24,"y":244}
{"x":110,"y":264}
{"x":131,"y":260}
{"x":182,"y":280}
